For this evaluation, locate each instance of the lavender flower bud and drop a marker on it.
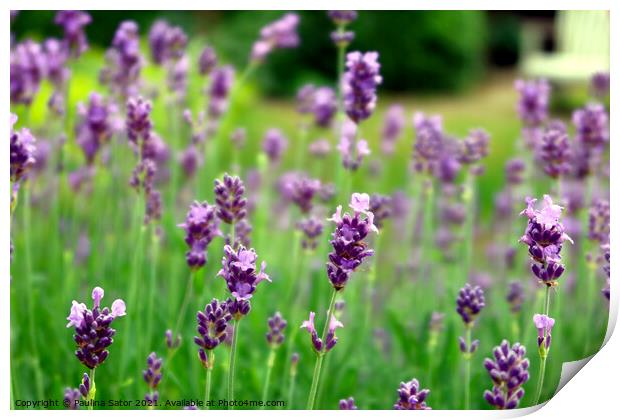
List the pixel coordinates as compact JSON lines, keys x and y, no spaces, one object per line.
{"x":428,"y":145}
{"x":84,"y":387}
{"x":591,"y":125}
{"x":515,"y":296}
{"x":475,"y":146}
{"x":469,"y":303}
{"x":275,"y":335}
{"x":73,"y":23}
{"x":229,"y":199}
{"x":27,"y":70}
{"x":508,"y":371}
{"x":330,"y":340}
{"x":393,"y":124}
{"x":207,"y":61}
{"x":167,"y":43}
{"x":342,"y":38}
{"x":554,"y":152}
{"x":411,"y":397}
{"x":598,"y":222}
{"x":95,"y":125}
{"x":152,"y":376}
{"x":381,"y":207}
{"x":514,"y":171}
{"x":172,"y":343}
{"x":201,"y":226}
{"x":352,"y":150}
{"x":544,"y":324}
{"x":212,"y":323}
{"x":22,"y":151}
{"x":312,"y":228}
{"x":360,"y":83}
{"x":533,"y":103}
{"x":219,"y":90}
{"x":347,"y":404}
{"x":274,"y":145}
{"x":599,"y":84}
{"x":124,"y":61}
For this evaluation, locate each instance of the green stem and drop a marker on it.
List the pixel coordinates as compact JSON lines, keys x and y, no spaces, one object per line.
{"x":153,"y":281}
{"x":291,"y":386}
{"x":231,"y":364}
{"x":188,"y":293}
{"x":543,"y":355}
{"x":93,"y":390}
{"x":469,"y":199}
{"x":208,"y":381}
{"x":467,"y":356}
{"x":270,"y":363}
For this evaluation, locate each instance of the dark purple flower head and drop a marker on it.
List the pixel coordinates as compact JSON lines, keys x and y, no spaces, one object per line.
{"x":95,"y":125}
{"x":201,"y":226}
{"x":515,"y":296}
{"x":349,"y":249}
{"x":22,"y":151}
{"x":347,"y":404}
{"x":240,"y":272}
{"x":533,"y":104}
{"x":167,"y":43}
{"x":274,"y":144}
{"x":599,"y":217}
{"x":221,"y":82}
{"x":469,"y":303}
{"x":212,"y":323}
{"x":514,"y":171}
{"x":352,"y":150}
{"x":411,"y":397}
{"x":393,"y":124}
{"x":509,"y":371}
{"x":71,"y":398}
{"x":312,"y":228}
{"x":28,"y":69}
{"x":381,"y":207}
{"x":360,"y":83}
{"x":330,"y":340}
{"x":544,"y":237}
{"x":475,"y":146}
{"x":599,"y":84}
{"x":275,"y":334}
{"x":229,"y":199}
{"x":207,"y":61}
{"x":93,"y":331}
{"x":553,"y":151}
{"x":73,"y":23}
{"x":152,"y":376}
{"x":342,"y":17}
{"x":591,"y":125}
{"x":281,"y":33}
{"x":124,"y":61}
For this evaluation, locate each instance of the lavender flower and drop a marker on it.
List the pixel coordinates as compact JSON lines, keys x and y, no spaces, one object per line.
{"x":152,"y":377}
{"x":599,"y":217}
{"x":27,"y":70}
{"x":554,"y":152}
{"x":139,"y":123}
{"x":172,"y":343}
{"x":243,"y":230}
{"x":544,"y":237}
{"x":71,"y":398}
{"x":167,"y":43}
{"x":201,"y":226}
{"x":347,"y":404}
{"x":22,"y":151}
{"x":281,"y":33}
{"x":508,"y":371}
{"x":514,"y":170}
{"x":349,"y":248}
{"x":393,"y":124}
{"x":351,"y":150}
{"x":312,"y":228}
{"x":85,"y":388}
{"x":475,"y":146}
{"x":212,"y":323}
{"x":229,"y":199}
{"x":428,"y":146}
{"x":93,"y":331}
{"x":319,"y":148}
{"x":381,"y":207}
{"x":533,"y":103}
{"x":342,"y":17}
{"x":274,"y":145}
{"x":515,"y":296}
{"x":607,"y":268}
{"x":56,"y":71}
{"x":360,"y":84}
{"x":599,"y":84}
{"x":342,"y":38}
{"x":221,"y":82}
{"x":324,"y":106}
{"x":591,"y":125}
{"x":124,"y":61}
{"x":95,"y":125}
{"x":411,"y":397}
{"x":469,"y":303}
{"x":275,"y":335}
{"x":302,"y":191}
{"x":73,"y":23}
{"x":544,"y":324}
{"x":207,"y":61}
{"x":330,"y":340}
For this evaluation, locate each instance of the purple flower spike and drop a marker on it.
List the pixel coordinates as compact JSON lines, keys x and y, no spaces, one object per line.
{"x":93,"y":331}
{"x":281,"y":33}
{"x":553,"y":151}
{"x":544,"y":237}
{"x":124,"y":61}
{"x":139,"y":123}
{"x":96,"y":125}
{"x":352,"y":150}
{"x":274,"y":145}
{"x":360,"y":84}
{"x":544,"y":325}
{"x":598,"y":222}
{"x":514,"y":171}
{"x":475,"y":147}
{"x":27,"y":71}
{"x":428,"y":146}
{"x":411,"y":397}
{"x":342,"y":17}
{"x":207,"y":61}
{"x":229,"y":199}
{"x":73,"y":23}
{"x":303,"y":190}
{"x":84,"y":388}
{"x":152,"y":376}
{"x":312,"y":228}
{"x":393,"y":124}
{"x":349,"y":247}
{"x":201,"y":226}
{"x":22,"y":151}
{"x":212,"y":324}
{"x":167,"y":43}
{"x":599,"y":84}
{"x":515,"y":296}
{"x":533,"y":103}
{"x":469,"y":303}
{"x":591,"y":125}
{"x":71,"y":398}
{"x":347,"y":404}
{"x":275,"y":335}
{"x":508,"y":371}
{"x":381,"y":207}
{"x":219,"y":90}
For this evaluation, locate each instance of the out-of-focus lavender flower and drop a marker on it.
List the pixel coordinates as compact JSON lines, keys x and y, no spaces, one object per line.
{"x":469,"y":303}
{"x":82,"y":249}
{"x":124,"y":61}
{"x":351,"y":150}
{"x":515,"y":296}
{"x":544,"y":324}
{"x":172,"y":343}
{"x":95,"y":125}
{"x":28,"y":68}
{"x":553,"y":152}
{"x":275,"y":335}
{"x":330,"y":340}
{"x":302,"y":191}
{"x":481,"y":278}
{"x":599,"y":84}
{"x":514,"y":171}
{"x":238,"y":137}
{"x":73,"y":23}
{"x":509,"y":371}
{"x":221,"y":82}
{"x":229,"y":198}
{"x":201,"y":226}
{"x":22,"y":151}
{"x":71,"y":398}
{"x":599,"y":217}
{"x":349,"y":248}
{"x":428,"y":144}
{"x":240,"y":272}
{"x":381,"y":207}
{"x":281,"y":33}
{"x":342,"y":17}
{"x":167,"y":43}
{"x":591,"y":125}
{"x":393,"y":124}
{"x":93,"y":331}
{"x":360,"y":83}
{"x":305,"y":98}
{"x":138,"y":121}
{"x":207,"y":61}
{"x":327,"y":191}
{"x":347,"y":404}
{"x":533,"y":104}
{"x":475,"y":146}
{"x":436,"y":322}
{"x":448,"y":166}
{"x":342,"y":38}
{"x":152,"y":376}
{"x":606,"y":291}
{"x":274,"y":145}
{"x":544,"y":237}
{"x":411,"y":397}
{"x":55,"y":61}
{"x":320,"y":148}
{"x":324,"y":106}
{"x":312,"y":228}
{"x":177,"y":77}
{"x":212,"y":323}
